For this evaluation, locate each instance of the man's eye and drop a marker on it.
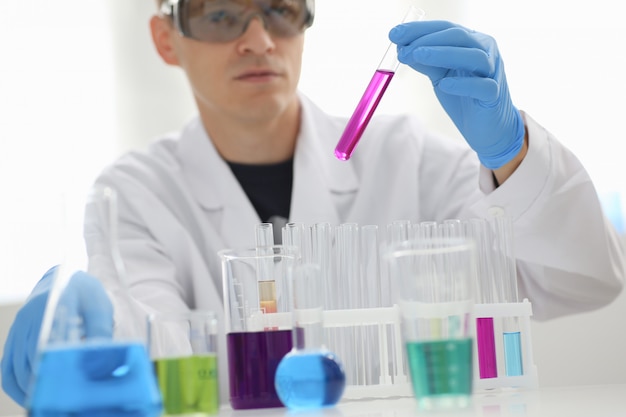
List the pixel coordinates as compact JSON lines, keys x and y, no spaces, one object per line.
{"x":217,"y":12}
{"x":220,"y":17}
{"x":286,"y":9}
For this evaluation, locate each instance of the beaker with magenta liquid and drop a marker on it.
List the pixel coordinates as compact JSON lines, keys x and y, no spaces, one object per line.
{"x":257,"y":321}
{"x":372,"y":95}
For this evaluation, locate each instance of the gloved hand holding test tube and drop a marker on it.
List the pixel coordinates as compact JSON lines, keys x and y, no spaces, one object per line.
{"x":372,"y":95}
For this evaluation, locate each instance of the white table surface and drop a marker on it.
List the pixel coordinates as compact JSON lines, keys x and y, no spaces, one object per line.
{"x":583,"y":401}
{"x":578,"y":401}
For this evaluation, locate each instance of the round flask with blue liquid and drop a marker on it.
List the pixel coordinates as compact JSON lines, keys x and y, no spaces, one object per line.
{"x":309,"y":376}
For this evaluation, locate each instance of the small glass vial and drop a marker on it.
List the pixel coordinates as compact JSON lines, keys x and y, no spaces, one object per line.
{"x":309,"y":376}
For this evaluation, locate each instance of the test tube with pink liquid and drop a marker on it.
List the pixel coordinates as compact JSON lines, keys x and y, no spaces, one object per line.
{"x":372,"y":95}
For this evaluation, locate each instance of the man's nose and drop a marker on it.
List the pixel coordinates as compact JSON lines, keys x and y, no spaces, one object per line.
{"x":255,"y":17}
{"x":256,"y":37}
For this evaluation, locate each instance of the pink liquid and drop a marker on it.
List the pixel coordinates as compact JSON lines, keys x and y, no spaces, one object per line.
{"x":485,"y":339}
{"x":362,"y":114}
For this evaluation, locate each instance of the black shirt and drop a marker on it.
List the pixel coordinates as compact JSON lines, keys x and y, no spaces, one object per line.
{"x":268,"y":188}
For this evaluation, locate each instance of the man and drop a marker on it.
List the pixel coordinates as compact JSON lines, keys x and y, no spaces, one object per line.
{"x":261,"y":151}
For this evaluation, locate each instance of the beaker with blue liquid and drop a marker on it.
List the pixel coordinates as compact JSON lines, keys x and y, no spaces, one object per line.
{"x":309,"y":376}
{"x":78,"y":374}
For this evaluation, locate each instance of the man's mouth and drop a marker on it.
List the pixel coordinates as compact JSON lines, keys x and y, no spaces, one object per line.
{"x":258,"y":74}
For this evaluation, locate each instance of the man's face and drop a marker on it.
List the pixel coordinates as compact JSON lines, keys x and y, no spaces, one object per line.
{"x":252,"y":78}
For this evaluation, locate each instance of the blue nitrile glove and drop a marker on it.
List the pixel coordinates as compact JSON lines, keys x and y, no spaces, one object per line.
{"x":84,"y":293}
{"x":467,"y":73}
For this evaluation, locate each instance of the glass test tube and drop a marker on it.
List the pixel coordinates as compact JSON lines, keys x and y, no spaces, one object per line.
{"x":321,"y":247}
{"x":485,"y":332}
{"x":264,"y":234}
{"x":371,"y":299}
{"x":372,"y":95}
{"x":513,"y":363}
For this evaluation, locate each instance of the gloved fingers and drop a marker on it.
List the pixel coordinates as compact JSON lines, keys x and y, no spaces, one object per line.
{"x":482,"y":89}
{"x":20,"y":349}
{"x":407,"y":33}
{"x":94,"y":305}
{"x":12,"y":367}
{"x":12,"y":389}
{"x":453,"y":36}
{"x":472,"y":61}
{"x":84,"y":296}
{"x":98,"y":317}
{"x":19,"y":355}
{"x":83,"y":309}
{"x":45,"y":283}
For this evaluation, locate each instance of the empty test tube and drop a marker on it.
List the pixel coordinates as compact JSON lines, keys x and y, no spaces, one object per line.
{"x":321,"y":254}
{"x":371,"y":288}
{"x":372,"y":95}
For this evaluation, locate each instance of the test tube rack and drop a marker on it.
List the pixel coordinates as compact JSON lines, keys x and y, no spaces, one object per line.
{"x":362,"y":323}
{"x":369,"y":343}
{"x":498,"y":311}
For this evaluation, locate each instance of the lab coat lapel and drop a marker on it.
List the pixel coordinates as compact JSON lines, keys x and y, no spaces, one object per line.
{"x":217,"y":190}
{"x":319,"y":178}
{"x":239,"y":216}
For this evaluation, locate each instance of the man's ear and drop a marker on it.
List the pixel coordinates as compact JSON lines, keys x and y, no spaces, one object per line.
{"x":162,"y":33}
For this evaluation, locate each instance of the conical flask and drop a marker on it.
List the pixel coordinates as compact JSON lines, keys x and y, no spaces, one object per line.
{"x":78,"y":371}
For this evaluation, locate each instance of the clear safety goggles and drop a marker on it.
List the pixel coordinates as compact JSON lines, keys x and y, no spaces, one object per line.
{"x":226,"y":20}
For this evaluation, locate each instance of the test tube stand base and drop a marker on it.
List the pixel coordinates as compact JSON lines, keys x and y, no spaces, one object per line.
{"x":529,"y":377}
{"x":387,"y":367}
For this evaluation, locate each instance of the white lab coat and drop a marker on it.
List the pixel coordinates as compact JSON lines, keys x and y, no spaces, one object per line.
{"x":179,"y":204}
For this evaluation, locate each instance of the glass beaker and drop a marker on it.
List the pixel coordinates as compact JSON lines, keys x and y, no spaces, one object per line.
{"x":257,"y":321}
{"x":435,"y":278}
{"x":79,"y":375}
{"x":183,"y":347}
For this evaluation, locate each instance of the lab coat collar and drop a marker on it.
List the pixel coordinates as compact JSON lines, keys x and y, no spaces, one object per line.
{"x":317,"y":173}
{"x":205,"y":170}
{"x":215,"y":187}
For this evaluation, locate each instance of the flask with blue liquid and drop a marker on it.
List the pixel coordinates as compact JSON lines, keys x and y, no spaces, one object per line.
{"x":309,"y":376}
{"x":81,"y":376}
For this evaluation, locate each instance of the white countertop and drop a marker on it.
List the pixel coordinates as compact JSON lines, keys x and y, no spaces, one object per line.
{"x":583,"y":401}
{"x":577,"y":401}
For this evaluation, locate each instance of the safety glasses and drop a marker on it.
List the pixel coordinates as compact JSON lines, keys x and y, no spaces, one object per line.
{"x":226,"y":20}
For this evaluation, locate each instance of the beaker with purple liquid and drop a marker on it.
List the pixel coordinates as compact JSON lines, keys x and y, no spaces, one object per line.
{"x":258,"y":321}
